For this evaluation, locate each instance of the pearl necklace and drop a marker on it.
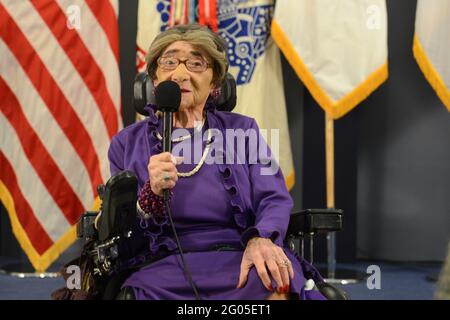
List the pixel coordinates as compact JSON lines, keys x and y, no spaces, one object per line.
{"x":202,"y":160}
{"x":179,"y":139}
{"x":182,"y":138}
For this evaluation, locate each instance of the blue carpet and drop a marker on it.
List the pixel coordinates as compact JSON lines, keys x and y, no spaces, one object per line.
{"x":31,"y":288}
{"x":399,"y":281}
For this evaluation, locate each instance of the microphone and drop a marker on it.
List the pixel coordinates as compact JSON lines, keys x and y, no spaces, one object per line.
{"x":168,"y":98}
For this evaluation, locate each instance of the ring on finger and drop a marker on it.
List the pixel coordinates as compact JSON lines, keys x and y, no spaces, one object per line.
{"x":285,"y":263}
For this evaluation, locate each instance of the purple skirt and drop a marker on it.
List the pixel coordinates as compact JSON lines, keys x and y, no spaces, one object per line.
{"x":216,"y":275}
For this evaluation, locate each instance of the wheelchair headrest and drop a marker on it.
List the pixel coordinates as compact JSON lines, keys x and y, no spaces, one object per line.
{"x":144,"y":94}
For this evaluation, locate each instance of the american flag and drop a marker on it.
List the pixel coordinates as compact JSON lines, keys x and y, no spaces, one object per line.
{"x":60,"y":106}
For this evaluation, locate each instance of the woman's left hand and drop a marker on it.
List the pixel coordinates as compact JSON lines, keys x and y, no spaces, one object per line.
{"x":269,"y":260}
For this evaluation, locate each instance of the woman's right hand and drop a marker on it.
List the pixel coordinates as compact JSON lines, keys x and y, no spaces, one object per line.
{"x":162,"y":172}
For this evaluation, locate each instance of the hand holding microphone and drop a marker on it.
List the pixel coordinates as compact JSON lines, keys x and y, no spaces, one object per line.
{"x":163,"y":172}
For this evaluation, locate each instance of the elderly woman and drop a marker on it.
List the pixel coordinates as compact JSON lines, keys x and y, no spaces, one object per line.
{"x":231,"y":218}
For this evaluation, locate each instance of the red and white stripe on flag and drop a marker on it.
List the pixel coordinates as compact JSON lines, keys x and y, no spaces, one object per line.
{"x":60,"y":106}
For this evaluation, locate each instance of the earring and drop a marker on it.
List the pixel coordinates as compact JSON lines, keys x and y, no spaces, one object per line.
{"x":216,"y":93}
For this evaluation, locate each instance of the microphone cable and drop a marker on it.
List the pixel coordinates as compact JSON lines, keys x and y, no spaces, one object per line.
{"x":168,"y":98}
{"x":185,"y":266}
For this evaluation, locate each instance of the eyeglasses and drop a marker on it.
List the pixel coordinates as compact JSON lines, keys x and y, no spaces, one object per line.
{"x":192,"y":64}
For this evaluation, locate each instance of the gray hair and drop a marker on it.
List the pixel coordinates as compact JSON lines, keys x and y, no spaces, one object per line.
{"x":199,"y":37}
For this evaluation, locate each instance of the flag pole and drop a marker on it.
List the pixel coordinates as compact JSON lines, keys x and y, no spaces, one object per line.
{"x":329,"y":156}
{"x":340,"y":276}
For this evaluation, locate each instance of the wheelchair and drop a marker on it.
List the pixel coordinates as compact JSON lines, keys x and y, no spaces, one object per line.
{"x":106,"y":238}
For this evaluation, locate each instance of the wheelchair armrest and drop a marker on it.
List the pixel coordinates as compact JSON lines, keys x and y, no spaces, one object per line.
{"x":314,"y":221}
{"x":118,"y":205}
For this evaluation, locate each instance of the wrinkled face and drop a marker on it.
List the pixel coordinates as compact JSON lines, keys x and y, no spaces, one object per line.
{"x":195,"y":85}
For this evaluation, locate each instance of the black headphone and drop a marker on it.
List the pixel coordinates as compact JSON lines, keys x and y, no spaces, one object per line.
{"x":144,"y":94}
